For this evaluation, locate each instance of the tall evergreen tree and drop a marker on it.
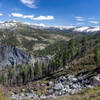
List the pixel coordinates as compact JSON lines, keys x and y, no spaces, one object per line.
{"x":2,"y":78}
{"x":37,"y":70}
{"x":23,"y":74}
{"x":96,"y":55}
{"x":84,"y":44}
{"x":30,"y":72}
{"x":71,"y":49}
{"x":10,"y":74}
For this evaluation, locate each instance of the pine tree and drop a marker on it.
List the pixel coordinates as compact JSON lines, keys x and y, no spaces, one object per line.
{"x":58,"y":59}
{"x":71,"y":48}
{"x":37,"y":70}
{"x":23,"y":74}
{"x":96,"y":55}
{"x":84,"y":44}
{"x":2,"y":78}
{"x":10,"y":74}
{"x":30,"y":72}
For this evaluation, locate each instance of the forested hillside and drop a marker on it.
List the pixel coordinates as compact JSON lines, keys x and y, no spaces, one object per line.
{"x":76,"y":54}
{"x":30,"y":39}
{"x":38,"y":56}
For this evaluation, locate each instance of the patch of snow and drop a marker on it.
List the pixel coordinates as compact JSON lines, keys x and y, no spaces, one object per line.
{"x":94,"y":29}
{"x":81,"y":29}
{"x":64,"y":27}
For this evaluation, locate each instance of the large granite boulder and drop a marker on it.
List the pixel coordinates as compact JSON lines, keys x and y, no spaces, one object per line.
{"x":58,"y":87}
{"x":95,"y":80}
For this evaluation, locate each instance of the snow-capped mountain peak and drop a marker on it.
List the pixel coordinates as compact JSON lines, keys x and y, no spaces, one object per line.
{"x":11,"y":23}
{"x":14,"y":23}
{"x":81,"y":29}
{"x":65,"y":27}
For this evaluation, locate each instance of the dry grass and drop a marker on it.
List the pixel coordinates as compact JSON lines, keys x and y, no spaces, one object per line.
{"x":1,"y":94}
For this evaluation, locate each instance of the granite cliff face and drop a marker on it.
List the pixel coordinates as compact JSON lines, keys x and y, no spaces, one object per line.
{"x":14,"y":56}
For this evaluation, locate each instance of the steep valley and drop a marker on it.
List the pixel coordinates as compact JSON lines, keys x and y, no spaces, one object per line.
{"x":38,"y":63}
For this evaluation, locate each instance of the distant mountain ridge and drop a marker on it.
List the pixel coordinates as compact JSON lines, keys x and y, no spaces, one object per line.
{"x":15,"y":23}
{"x":28,"y":37}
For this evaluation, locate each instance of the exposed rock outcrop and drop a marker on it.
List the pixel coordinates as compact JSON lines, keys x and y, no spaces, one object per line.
{"x":69,"y":85}
{"x":96,"y":80}
{"x":60,"y":87}
{"x":14,"y":56}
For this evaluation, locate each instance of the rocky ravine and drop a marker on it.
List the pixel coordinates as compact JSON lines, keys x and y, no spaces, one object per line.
{"x":14,"y":56}
{"x":60,"y":87}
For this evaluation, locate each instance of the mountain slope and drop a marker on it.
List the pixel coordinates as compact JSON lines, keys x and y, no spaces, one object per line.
{"x":28,"y":38}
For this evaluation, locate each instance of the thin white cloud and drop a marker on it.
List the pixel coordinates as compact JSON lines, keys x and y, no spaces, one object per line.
{"x":22,"y":16}
{"x":93,"y":22}
{"x":32,"y":17}
{"x":91,"y":18}
{"x":44,"y":18}
{"x":41,"y":24}
{"x":28,"y":16}
{"x":29,"y":3}
{"x":79,"y":24}
{"x":78,"y":18}
{"x":1,"y":14}
{"x":17,"y":15}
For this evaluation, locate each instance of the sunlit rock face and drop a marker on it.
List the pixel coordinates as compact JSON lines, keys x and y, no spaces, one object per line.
{"x":96,"y":80}
{"x":14,"y":56}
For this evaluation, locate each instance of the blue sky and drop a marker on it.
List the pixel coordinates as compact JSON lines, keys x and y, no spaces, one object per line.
{"x":52,"y":12}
